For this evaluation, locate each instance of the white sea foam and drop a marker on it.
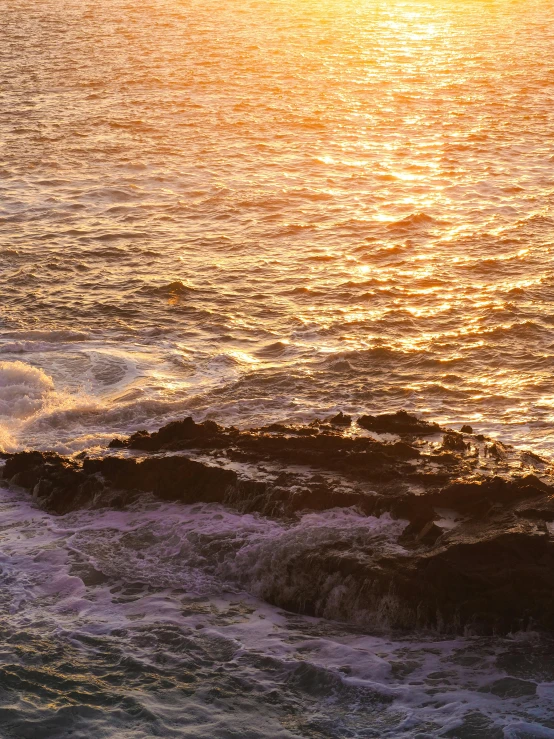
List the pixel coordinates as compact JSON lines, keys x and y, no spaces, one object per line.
{"x":24,"y":390}
{"x":147,"y":588}
{"x":28,"y":347}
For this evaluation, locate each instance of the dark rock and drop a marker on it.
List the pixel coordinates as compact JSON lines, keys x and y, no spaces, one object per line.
{"x":170,"y":478}
{"x":279,"y":428}
{"x":424,"y":531}
{"x":474,"y":724}
{"x":59,"y":483}
{"x":491,"y":571}
{"x":341,"y":419}
{"x":532,"y":458}
{"x":116,"y":444}
{"x":466,"y":429}
{"x":445,"y":458}
{"x":539,"y":512}
{"x":475,"y":497}
{"x":183,"y":433}
{"x":401,"y":450}
{"x":454,"y":442}
{"x":401,"y":423}
{"x":488,"y":585}
{"x":495,"y":450}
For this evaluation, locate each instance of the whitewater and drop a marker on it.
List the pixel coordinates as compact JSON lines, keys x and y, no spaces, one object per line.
{"x":251,"y":212}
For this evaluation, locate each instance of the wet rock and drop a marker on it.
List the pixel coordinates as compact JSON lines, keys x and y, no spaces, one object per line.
{"x":466,"y":429}
{"x":493,"y":581}
{"x":474,"y":725}
{"x":116,"y":444}
{"x":183,"y":433}
{"x":401,"y":450}
{"x":491,"y":570}
{"x":341,"y":419}
{"x":495,"y":450}
{"x":61,"y":485}
{"x":169,"y":478}
{"x":401,"y":423}
{"x":476,"y":497}
{"x":530,"y":459}
{"x":485,"y":584}
{"x":279,"y":428}
{"x":57,"y":482}
{"x":453,"y":441}
{"x":541,"y":512}
{"x":445,"y":458}
{"x":423,"y":531}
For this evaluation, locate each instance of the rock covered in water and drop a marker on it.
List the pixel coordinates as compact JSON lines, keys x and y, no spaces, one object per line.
{"x":475,"y":552}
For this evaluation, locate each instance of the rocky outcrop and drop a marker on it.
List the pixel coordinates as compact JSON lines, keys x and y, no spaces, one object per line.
{"x":398,"y":423}
{"x":476,"y":551}
{"x":60,"y":484}
{"x":491,"y":581}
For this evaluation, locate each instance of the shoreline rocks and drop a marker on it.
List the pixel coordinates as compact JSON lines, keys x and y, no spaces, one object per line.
{"x":476,"y":552}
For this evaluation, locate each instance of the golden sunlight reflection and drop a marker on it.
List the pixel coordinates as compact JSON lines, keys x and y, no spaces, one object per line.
{"x":276,"y":342}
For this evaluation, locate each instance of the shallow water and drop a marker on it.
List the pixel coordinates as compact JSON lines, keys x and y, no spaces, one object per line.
{"x":255,"y":211}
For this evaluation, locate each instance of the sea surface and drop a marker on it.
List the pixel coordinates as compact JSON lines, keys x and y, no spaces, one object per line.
{"x":256,"y":211}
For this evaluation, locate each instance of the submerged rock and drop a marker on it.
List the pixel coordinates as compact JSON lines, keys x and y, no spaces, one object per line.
{"x":475,"y":552}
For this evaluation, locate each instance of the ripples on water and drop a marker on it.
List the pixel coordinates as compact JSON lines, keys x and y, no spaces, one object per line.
{"x":355,"y":198}
{"x":255,"y":211}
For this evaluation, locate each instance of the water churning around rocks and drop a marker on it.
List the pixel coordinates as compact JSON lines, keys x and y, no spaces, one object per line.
{"x":264,"y":212}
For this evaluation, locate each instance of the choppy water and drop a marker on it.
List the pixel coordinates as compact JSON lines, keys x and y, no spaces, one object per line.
{"x":260,"y":210}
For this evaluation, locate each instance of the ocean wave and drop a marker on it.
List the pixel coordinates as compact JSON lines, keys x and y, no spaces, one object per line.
{"x":413,"y":221}
{"x":271,"y":351}
{"x":28,"y":347}
{"x":23,"y":390}
{"x":497,"y":335}
{"x":116,"y":235}
{"x":184,"y":549}
{"x":37,"y":340}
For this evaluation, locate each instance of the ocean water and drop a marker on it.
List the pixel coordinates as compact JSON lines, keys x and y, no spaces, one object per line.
{"x":253,"y":211}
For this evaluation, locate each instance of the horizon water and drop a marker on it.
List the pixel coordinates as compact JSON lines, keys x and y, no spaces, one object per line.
{"x":259,"y":211}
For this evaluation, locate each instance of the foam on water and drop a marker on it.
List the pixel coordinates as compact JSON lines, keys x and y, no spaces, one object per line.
{"x":134,"y":622}
{"x":332,"y":203}
{"x":23,"y":390}
{"x":255,"y":212}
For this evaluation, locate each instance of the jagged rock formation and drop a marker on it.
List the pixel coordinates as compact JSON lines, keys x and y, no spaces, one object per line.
{"x":477,"y":551}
